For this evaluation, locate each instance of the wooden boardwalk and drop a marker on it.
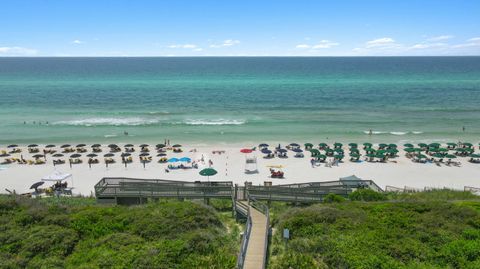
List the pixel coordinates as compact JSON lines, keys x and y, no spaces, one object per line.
{"x":256,"y":249}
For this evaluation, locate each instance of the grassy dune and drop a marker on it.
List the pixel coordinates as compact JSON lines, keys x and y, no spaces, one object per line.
{"x":76,"y":233}
{"x":438,"y":229}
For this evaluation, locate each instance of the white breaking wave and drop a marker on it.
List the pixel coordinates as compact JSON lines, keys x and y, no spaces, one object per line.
{"x":108,"y":121}
{"x":214,"y":122}
{"x":392,"y":133}
{"x":110,"y":135}
{"x":374,"y":132}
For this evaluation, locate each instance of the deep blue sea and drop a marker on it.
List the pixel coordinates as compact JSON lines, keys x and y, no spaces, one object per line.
{"x":239,"y":99}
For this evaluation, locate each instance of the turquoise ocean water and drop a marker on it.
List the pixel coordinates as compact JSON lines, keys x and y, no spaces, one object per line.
{"x":212,"y":100}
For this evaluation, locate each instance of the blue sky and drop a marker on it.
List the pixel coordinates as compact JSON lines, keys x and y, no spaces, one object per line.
{"x":238,"y":28}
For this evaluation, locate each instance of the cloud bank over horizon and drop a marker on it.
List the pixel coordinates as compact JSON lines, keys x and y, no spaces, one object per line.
{"x":247,"y":28}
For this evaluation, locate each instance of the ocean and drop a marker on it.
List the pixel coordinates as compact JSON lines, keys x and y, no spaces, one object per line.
{"x":211,"y":100}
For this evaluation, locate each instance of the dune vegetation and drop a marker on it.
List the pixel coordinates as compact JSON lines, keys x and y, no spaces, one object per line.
{"x":436,"y":229}
{"x":77,"y":233}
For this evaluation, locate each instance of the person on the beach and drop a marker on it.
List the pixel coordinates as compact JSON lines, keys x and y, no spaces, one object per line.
{"x":370,"y":132}
{"x":210,"y":163}
{"x":312,"y":161}
{"x":463,"y":128}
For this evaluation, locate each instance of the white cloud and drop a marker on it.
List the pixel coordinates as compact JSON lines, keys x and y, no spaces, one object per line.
{"x":472,"y":42}
{"x":183,"y":46}
{"x":17,"y":51}
{"x":325,"y":44}
{"x":226,"y":43}
{"x":380,"y":42}
{"x":440,"y":38}
{"x":428,"y":45}
{"x":302,"y":46}
{"x":77,"y":42}
{"x":198,"y":49}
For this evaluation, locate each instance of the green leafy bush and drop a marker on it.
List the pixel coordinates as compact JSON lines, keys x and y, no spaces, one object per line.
{"x":37,"y":233}
{"x":333,"y":198}
{"x":386,"y":234}
{"x":367,"y":195}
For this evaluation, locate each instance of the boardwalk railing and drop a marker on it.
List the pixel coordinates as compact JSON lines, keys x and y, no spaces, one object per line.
{"x":245,"y":238}
{"x":117,"y":188}
{"x":473,"y":190}
{"x":120,"y":189}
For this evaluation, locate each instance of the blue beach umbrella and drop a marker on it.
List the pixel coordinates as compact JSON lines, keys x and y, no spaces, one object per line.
{"x":185,"y":159}
{"x":173,"y":160}
{"x":266,"y":151}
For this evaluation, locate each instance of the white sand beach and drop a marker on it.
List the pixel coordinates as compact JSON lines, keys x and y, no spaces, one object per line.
{"x":398,"y":172}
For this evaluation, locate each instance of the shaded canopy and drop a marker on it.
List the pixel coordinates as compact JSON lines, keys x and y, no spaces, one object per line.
{"x":208,"y":172}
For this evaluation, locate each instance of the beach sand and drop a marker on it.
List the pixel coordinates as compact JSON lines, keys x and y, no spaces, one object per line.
{"x":231,"y":167}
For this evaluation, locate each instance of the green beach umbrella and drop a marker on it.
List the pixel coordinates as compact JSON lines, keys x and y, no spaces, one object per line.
{"x":323,"y":145}
{"x":408,"y":145}
{"x":450,"y":156}
{"x":382,"y":145}
{"x":308,"y":145}
{"x":314,"y":152}
{"x":418,"y":149}
{"x":354,"y":151}
{"x":208,"y":172}
{"x":338,"y":145}
{"x":355,"y":155}
{"x":474,"y":155}
{"x":438,"y":155}
{"x":442,"y":150}
{"x":370,"y":155}
{"x":421,"y":156}
{"x":368,"y":145}
{"x":422,"y":145}
{"x":434,"y":145}
{"x":381,"y":151}
{"x":322,"y":156}
{"x":353,"y":145}
{"x":409,"y":150}
{"x":339,"y":156}
{"x":370,"y":150}
{"x":452,"y":144}
{"x":339,"y":150}
{"x":392,"y":146}
{"x":466,"y":144}
{"x":433,"y":149}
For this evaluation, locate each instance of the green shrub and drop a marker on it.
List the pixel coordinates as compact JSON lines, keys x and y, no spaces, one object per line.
{"x":411,"y":234}
{"x":366,"y":195}
{"x":333,"y":198}
{"x":62,"y":233}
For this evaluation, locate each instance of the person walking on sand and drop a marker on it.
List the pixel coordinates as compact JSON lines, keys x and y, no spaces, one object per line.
{"x":463,"y":128}
{"x":312,"y":162}
{"x":370,"y":132}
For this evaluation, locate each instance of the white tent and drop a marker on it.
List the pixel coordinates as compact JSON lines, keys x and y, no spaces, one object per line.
{"x":56,"y":176}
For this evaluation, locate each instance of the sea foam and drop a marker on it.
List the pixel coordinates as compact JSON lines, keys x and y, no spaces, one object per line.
{"x":214,"y":122}
{"x":108,"y":122}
